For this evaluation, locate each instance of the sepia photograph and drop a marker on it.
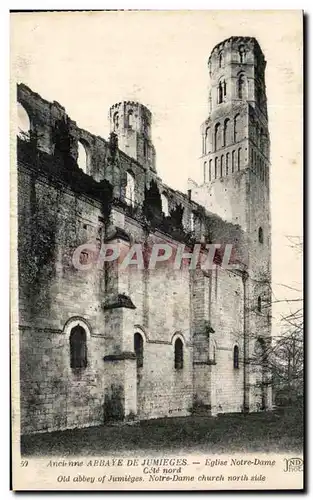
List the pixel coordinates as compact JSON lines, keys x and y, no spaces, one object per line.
{"x":157,"y":250}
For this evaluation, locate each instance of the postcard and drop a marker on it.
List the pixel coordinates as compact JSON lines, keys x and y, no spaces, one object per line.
{"x":156,"y":250}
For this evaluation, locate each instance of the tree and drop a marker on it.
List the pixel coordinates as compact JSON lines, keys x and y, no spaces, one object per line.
{"x":283,"y":354}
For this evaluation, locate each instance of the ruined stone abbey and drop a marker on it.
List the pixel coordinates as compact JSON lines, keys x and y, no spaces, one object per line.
{"x":100,"y":344}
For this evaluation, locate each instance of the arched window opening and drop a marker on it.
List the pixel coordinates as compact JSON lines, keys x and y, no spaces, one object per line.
{"x":227,"y":163}
{"x":217,"y":129}
{"x":130,"y":119}
{"x":215,"y":168}
{"x":236,"y":128}
{"x":236,"y":357}
{"x":239,"y":158}
{"x":226,"y":139}
{"x":23,"y":123}
{"x":210,"y":170}
{"x":164,"y":202}
{"x":138,"y":348}
{"x":207,"y":145}
{"x":221,"y":60}
{"x":220,"y":93}
{"x":259,"y":304}
{"x":130,"y":190}
{"x":241,"y":87}
{"x":82,"y":158}
{"x":145,"y":149}
{"x":179,"y":355}
{"x":204,"y":171}
{"x":192,"y":221}
{"x":78,"y":347}
{"x":260,"y":235}
{"x":233,"y":161}
{"x":222,"y":165}
{"x":242,"y":54}
{"x":115,"y":121}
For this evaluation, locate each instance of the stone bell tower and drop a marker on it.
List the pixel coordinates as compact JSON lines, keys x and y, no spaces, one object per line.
{"x":131,"y":121}
{"x":235,"y":162}
{"x":235,"y":134}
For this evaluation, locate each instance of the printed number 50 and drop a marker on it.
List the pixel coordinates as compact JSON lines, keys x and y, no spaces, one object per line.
{"x":24,"y":463}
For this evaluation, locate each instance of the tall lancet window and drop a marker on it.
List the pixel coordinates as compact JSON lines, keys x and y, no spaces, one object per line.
{"x":221,"y":60}
{"x":233,"y":161}
{"x":226,"y":138}
{"x":130,"y":119}
{"x":178,"y":355}
{"x":78,"y":347}
{"x":217,"y":136}
{"x":239,"y":159}
{"x":227,"y":163}
{"x":138,"y":348}
{"x":242,"y":54}
{"x":236,"y":128}
{"x":236,"y":357}
{"x":241,"y":87}
{"x":115,"y":122}
{"x":222,"y":166}
{"x":215,"y":167}
{"x":220,"y":93}
{"x":207,"y":144}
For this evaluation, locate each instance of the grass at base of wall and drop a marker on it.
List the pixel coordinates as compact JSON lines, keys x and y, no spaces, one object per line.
{"x":277,"y":431}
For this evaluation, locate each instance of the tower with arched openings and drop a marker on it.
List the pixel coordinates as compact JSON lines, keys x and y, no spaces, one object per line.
{"x":235,"y":163}
{"x":237,"y":118}
{"x":131,"y":122}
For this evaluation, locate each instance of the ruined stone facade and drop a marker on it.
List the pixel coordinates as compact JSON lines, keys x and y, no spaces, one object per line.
{"x":101,"y":343}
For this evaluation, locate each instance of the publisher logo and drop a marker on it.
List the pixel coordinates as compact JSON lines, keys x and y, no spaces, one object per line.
{"x":293,"y":465}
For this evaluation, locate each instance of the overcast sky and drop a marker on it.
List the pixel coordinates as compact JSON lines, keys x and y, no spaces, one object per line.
{"x":88,"y":61}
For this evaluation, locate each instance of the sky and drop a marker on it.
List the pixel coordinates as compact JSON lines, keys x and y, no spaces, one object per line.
{"x":87,"y":61}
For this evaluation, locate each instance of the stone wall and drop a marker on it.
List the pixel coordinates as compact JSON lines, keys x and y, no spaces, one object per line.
{"x":203,"y":310}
